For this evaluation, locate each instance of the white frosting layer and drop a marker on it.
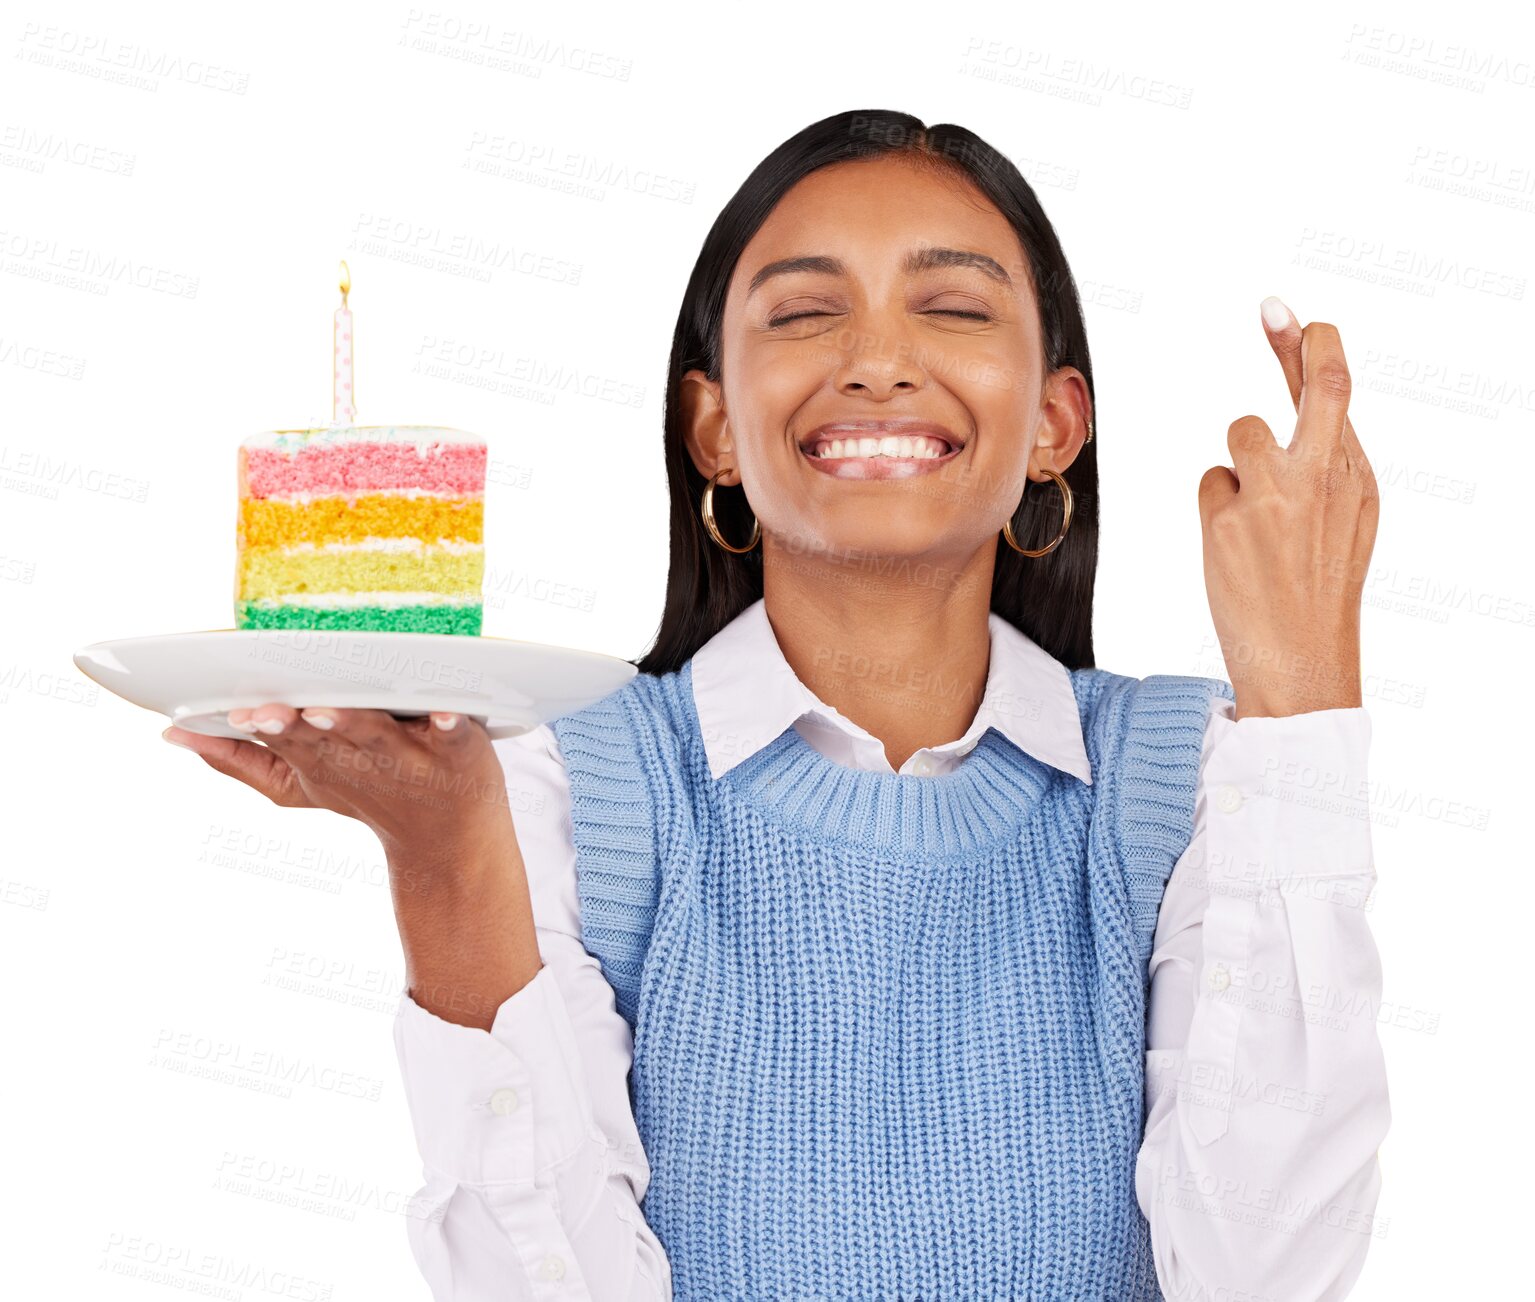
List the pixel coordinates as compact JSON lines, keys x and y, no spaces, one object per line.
{"x":304,"y":499}
{"x":336,"y":600}
{"x":419,"y":436}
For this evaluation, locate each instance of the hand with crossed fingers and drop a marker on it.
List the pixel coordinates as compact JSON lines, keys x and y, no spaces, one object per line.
{"x":1288,"y":533}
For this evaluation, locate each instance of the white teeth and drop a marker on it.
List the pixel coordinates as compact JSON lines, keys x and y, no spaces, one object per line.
{"x":920,"y":447}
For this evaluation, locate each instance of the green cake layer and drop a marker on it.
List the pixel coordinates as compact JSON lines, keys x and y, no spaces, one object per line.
{"x":462,"y":619}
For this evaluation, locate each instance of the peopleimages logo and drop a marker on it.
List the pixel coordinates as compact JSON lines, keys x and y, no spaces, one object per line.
{"x":138,"y":66}
{"x":37,"y":257}
{"x":317,"y":649}
{"x":32,"y":150}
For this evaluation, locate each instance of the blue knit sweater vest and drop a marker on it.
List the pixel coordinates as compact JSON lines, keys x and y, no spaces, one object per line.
{"x":889,"y":1031}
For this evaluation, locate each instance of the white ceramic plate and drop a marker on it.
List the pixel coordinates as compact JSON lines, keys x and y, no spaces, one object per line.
{"x":197,"y":678}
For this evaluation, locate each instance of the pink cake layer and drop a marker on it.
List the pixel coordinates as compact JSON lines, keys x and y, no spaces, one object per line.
{"x":360,"y":467}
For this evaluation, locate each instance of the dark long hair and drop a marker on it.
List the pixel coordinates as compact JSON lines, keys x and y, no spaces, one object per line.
{"x":1050,"y":597}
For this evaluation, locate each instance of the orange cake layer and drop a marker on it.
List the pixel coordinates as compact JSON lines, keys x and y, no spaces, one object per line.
{"x":273,"y":522}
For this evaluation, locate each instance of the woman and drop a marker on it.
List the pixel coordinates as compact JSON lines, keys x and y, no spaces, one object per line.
{"x":874,"y":938}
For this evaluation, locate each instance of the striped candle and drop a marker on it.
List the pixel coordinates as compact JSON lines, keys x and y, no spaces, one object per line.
{"x":343,"y":401}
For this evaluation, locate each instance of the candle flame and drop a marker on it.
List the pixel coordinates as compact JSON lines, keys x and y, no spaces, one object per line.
{"x":346,"y":283}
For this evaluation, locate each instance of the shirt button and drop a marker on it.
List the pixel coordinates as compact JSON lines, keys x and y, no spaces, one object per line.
{"x":552,"y":1267}
{"x":503,"y":1102}
{"x":923,"y":766}
{"x":1228,"y":798}
{"x":1219,"y":979}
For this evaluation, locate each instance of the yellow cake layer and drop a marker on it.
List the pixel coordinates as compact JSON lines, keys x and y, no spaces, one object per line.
{"x":271,"y":522}
{"x":267,"y":572}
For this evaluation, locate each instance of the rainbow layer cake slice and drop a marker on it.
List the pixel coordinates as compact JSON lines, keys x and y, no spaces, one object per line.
{"x":362,"y":527}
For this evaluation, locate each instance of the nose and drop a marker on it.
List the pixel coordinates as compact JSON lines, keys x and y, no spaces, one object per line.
{"x":878,"y":368}
{"x":876,"y":386}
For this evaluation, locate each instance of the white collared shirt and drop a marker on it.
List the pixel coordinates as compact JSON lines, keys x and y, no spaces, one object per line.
{"x":1257,"y":1170}
{"x":747,"y":694}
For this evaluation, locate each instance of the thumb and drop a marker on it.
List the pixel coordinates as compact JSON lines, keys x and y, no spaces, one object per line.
{"x":257,"y":766}
{"x":1217,"y":486}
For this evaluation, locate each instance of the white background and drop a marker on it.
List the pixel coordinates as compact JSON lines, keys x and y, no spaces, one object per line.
{"x":168,"y":250}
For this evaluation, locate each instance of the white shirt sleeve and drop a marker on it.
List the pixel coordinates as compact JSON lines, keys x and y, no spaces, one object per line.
{"x":532,"y":1159}
{"x":1265,"y":1081}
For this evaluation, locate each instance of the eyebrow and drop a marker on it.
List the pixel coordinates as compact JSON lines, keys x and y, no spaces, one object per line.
{"x":926,"y":259}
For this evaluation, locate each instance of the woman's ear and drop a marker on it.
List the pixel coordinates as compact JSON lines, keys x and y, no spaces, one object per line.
{"x":1066,"y":411}
{"x":705,"y":427}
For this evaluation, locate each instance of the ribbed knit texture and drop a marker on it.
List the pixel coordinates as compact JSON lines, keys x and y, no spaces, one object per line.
{"x":889,"y":1031}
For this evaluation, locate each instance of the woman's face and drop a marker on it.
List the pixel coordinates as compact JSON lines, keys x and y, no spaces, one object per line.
{"x":889,"y":300}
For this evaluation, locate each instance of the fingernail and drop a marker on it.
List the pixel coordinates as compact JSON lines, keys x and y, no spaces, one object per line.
{"x":270,"y":726}
{"x":244,"y":725}
{"x":445,"y":721}
{"x":175,"y":741}
{"x":317,"y":720}
{"x":1275,"y":314}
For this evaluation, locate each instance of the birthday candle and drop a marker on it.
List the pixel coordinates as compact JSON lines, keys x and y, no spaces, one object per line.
{"x":343,"y":401}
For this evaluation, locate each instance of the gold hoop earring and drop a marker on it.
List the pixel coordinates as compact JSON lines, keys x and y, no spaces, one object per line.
{"x":709,"y":524}
{"x":1007,"y":529}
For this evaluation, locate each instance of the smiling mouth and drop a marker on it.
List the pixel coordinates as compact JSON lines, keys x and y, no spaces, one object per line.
{"x":851,"y":455}
{"x":924,"y":447}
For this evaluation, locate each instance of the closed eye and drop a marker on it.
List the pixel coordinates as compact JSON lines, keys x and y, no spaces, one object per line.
{"x":939,"y":311}
{"x":796,"y":316}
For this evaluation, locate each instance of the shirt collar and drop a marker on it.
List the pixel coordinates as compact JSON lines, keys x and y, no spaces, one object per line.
{"x":746,"y":694}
